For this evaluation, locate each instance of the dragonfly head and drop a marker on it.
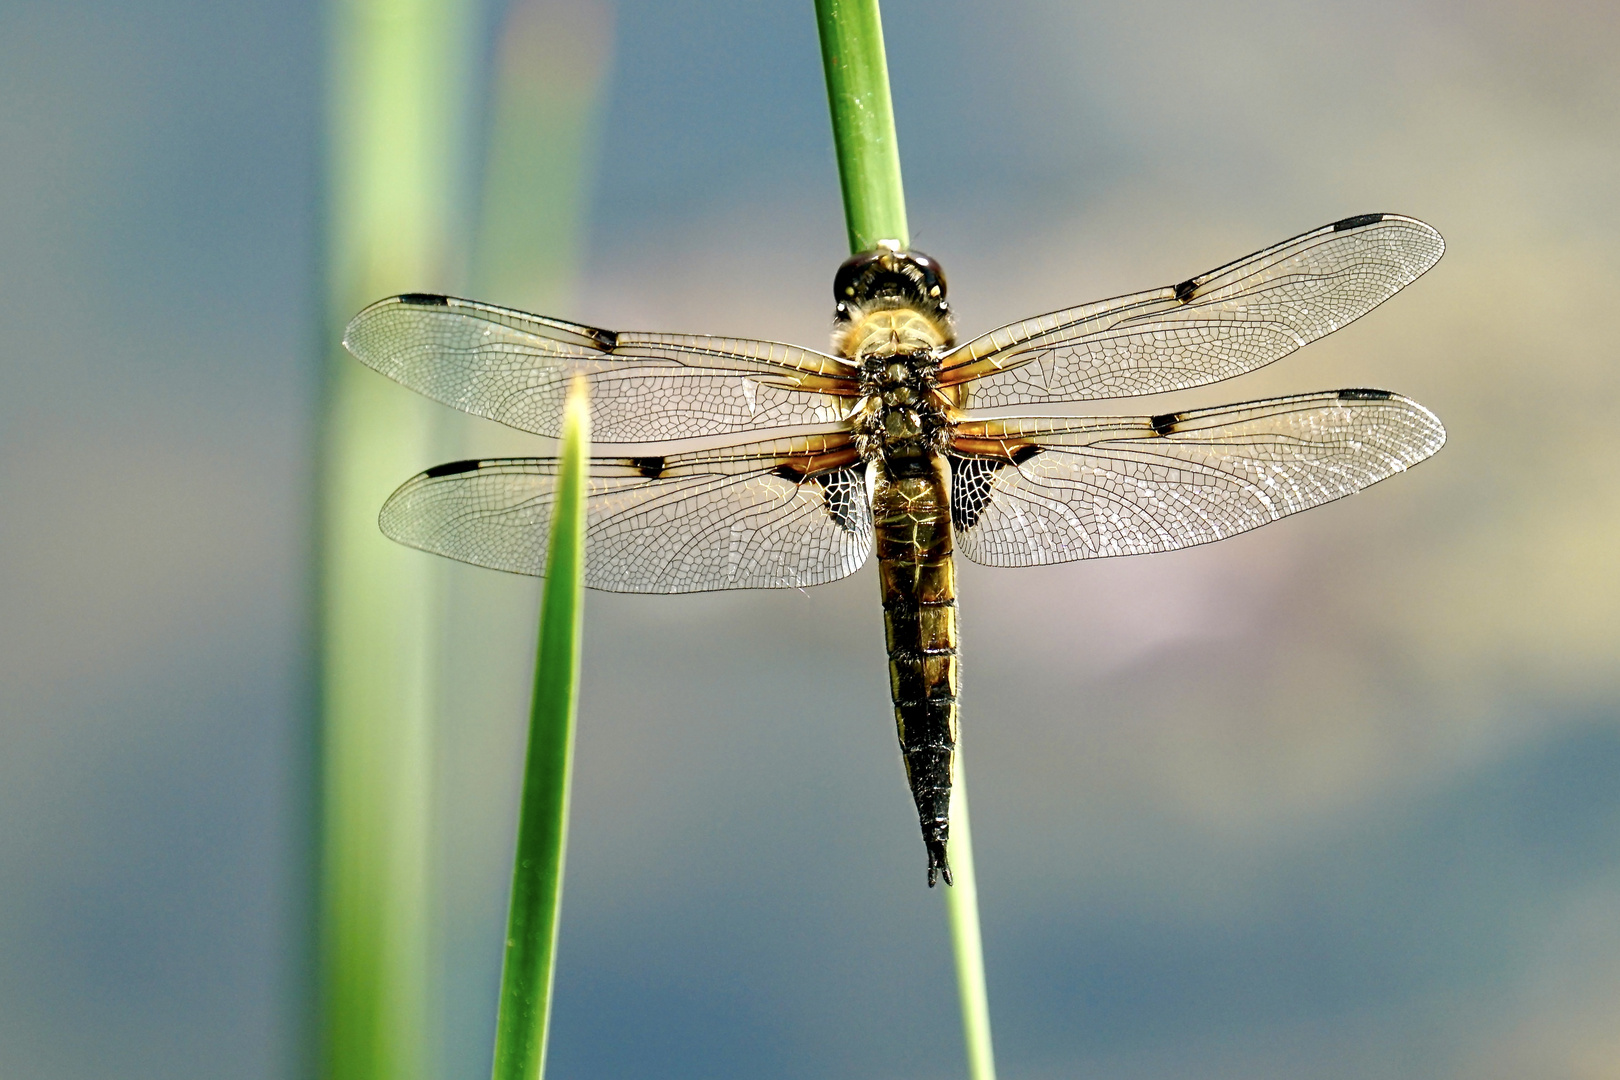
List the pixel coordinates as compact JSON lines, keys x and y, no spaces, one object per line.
{"x":890,"y":278}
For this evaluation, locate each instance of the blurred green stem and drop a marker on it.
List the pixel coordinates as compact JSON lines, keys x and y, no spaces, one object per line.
{"x":875,"y":210}
{"x":551,"y":65}
{"x":397,"y":93}
{"x":537,"y":874}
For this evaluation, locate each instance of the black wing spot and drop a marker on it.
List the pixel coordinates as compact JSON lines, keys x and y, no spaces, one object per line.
{"x":971,"y":489}
{"x":1357,"y":222}
{"x":650,"y":467}
{"x":1365,"y":395}
{"x":1165,"y":423}
{"x":452,"y":468}
{"x":1024,"y":453}
{"x":1186,"y":290}
{"x":422,"y":299}
{"x":973,"y":479}
{"x":841,"y":490}
{"x":607,"y":339}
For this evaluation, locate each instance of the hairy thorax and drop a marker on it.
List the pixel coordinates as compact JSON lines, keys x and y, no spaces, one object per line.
{"x":902,"y":415}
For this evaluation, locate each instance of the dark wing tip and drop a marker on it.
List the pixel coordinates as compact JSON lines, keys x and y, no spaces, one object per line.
{"x":363,"y":319}
{"x":451,"y":468}
{"x":1358,"y":222}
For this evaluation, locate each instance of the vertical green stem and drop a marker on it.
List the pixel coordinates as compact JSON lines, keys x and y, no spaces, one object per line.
{"x":397,"y":84}
{"x":553,"y":65}
{"x":863,"y":122}
{"x":537,"y":874}
{"x":551,"y":68}
{"x":875,"y":210}
{"x":963,"y":900}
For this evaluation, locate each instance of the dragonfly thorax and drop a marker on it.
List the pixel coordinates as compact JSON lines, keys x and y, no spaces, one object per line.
{"x":893,"y":323}
{"x":901,"y":416}
{"x":889,"y":331}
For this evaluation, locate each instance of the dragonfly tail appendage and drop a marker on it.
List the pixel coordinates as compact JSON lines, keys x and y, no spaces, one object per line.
{"x":938,"y":867}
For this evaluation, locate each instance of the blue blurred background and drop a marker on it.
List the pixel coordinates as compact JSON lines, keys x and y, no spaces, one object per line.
{"x":1333,"y":799}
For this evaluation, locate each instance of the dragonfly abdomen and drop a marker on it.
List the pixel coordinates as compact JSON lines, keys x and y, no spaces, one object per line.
{"x":911,"y":518}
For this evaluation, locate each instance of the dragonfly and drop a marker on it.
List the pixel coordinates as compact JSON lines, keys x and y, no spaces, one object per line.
{"x":748,"y":464}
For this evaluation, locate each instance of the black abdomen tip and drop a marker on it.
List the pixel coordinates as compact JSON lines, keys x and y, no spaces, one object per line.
{"x":938,"y":865}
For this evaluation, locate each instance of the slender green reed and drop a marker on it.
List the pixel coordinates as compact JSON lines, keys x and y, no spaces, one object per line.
{"x":963,"y":901}
{"x":863,"y":122}
{"x":397,"y":96}
{"x":537,"y":873}
{"x":875,"y":210}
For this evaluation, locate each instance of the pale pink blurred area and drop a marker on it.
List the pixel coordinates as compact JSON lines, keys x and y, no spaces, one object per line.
{"x":1336,"y":798}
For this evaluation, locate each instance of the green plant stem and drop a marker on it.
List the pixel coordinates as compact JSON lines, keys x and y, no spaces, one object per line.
{"x":397,"y":99}
{"x":537,"y":873}
{"x":544,"y":130}
{"x":962,"y":899}
{"x":875,"y":210}
{"x":863,"y":122}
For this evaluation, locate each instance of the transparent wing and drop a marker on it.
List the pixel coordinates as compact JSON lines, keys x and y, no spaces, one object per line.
{"x":1231,"y":320}
{"x":1027,"y":491}
{"x":513,"y":367}
{"x":781,"y":513}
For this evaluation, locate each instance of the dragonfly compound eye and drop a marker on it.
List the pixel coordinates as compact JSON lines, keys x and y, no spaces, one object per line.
{"x":888,"y":278}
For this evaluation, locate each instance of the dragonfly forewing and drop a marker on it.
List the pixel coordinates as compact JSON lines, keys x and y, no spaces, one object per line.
{"x":515,"y":368}
{"x":1220,"y":324}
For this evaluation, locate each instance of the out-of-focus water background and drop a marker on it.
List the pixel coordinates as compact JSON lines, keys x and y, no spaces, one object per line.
{"x":1334,"y":799}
